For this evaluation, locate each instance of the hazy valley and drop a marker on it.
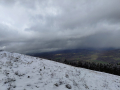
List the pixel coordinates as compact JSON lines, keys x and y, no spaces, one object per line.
{"x":104,"y":56}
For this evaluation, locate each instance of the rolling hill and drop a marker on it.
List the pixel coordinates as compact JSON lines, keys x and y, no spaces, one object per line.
{"x":22,"y":72}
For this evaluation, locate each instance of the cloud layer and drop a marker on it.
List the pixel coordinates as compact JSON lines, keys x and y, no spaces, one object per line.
{"x":28,"y":26}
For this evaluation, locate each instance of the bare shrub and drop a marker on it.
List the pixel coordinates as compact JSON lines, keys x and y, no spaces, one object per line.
{"x":9,"y":80}
{"x":19,"y":74}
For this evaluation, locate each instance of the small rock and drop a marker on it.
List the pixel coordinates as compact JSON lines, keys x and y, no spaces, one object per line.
{"x":68,"y":86}
{"x":56,"y":84}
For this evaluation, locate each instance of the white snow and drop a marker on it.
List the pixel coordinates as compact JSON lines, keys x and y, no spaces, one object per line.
{"x":22,"y":72}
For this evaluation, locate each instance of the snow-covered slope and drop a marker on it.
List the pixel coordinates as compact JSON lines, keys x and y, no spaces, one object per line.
{"x":21,"y":72}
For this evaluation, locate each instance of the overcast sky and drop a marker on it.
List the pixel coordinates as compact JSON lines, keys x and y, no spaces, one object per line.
{"x":28,"y":26}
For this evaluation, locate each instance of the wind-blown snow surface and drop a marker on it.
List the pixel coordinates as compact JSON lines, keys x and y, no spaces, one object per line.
{"x":22,"y":72}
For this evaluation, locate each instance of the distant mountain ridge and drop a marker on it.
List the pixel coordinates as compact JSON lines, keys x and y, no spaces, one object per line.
{"x":73,"y":51}
{"x":104,"y":55}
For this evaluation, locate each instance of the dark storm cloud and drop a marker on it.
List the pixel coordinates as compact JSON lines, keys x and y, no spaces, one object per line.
{"x":48,"y":25}
{"x":102,"y":40}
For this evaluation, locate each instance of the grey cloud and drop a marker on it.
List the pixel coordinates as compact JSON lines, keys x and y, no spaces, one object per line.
{"x":7,"y":2}
{"x":102,"y":40}
{"x":45,"y":25}
{"x":6,"y":32}
{"x":101,"y":11}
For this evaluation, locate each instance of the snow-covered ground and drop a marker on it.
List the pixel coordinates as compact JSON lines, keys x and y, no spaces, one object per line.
{"x":22,"y":72}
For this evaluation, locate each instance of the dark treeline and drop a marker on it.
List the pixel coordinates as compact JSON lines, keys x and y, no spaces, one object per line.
{"x":108,"y":68}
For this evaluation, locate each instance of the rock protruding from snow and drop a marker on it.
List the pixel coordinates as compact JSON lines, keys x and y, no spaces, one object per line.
{"x":21,"y":72}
